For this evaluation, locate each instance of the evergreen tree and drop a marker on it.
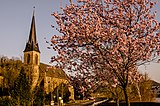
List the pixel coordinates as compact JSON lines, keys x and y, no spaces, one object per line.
{"x":21,"y":92}
{"x":39,"y":94}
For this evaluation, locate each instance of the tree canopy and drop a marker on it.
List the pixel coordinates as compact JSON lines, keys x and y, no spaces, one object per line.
{"x":106,"y":39}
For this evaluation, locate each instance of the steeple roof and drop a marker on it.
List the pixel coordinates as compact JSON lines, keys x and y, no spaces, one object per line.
{"x":32,"y":44}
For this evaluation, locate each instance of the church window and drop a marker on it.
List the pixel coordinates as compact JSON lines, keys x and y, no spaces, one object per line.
{"x":36,"y":59}
{"x":28,"y":58}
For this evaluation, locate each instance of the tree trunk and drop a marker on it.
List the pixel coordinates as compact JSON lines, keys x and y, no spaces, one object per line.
{"x":117,"y":102}
{"x":138,"y":91}
{"x":18,"y":101}
{"x":32,"y":101}
{"x":126,"y":96}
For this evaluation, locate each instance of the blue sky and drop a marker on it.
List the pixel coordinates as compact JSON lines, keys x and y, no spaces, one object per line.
{"x":15,"y":22}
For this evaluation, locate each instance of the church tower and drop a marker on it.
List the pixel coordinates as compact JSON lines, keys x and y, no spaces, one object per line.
{"x":32,"y":55}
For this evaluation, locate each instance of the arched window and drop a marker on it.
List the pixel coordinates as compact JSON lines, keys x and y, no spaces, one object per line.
{"x":36,"y":59}
{"x":28,"y":58}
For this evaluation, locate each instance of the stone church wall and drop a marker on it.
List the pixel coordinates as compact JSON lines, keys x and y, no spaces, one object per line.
{"x":50,"y":83}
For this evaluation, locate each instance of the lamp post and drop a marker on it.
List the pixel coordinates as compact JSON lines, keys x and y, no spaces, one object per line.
{"x":60,"y":101}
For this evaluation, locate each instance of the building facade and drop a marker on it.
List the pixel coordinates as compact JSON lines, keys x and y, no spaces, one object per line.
{"x":32,"y":55}
{"x":51,"y":76}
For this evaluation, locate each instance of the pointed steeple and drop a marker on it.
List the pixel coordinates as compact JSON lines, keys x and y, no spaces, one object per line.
{"x":32,"y":44}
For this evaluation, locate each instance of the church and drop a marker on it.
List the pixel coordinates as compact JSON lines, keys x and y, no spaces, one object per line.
{"x":38,"y":72}
{"x":49,"y":78}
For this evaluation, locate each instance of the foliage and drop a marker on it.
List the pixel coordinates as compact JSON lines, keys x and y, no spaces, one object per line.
{"x":15,"y":84}
{"x":5,"y":101}
{"x":21,"y":91}
{"x":146,"y":89}
{"x":13,"y":81}
{"x":8,"y":68}
{"x":79,"y":91}
{"x":101,"y":38}
{"x":76,"y":85}
{"x":142,"y":89}
{"x":39,"y":95}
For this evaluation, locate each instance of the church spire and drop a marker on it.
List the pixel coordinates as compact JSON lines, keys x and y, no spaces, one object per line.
{"x":32,"y":44}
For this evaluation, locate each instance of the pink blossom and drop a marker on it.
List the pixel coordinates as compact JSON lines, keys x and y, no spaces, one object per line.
{"x":109,"y":43}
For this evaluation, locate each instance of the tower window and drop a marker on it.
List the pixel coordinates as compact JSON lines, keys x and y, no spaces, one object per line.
{"x":36,"y":59}
{"x":28,"y":58}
